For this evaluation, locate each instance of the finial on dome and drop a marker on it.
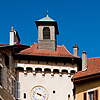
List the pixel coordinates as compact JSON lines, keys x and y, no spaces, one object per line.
{"x":47,"y":13}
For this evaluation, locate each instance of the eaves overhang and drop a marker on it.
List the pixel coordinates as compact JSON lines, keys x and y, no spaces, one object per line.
{"x":86,"y":78}
{"x":15,"y":45}
{"x":42,"y":57}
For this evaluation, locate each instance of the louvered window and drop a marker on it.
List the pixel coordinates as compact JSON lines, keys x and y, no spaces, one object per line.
{"x":46,"y":33}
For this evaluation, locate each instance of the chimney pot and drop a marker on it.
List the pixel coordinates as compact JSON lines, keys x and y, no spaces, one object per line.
{"x":14,"y":37}
{"x":84,"y":61}
{"x":75,"y":50}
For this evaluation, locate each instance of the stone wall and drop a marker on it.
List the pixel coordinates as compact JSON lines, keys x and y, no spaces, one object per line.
{"x":8,"y":71}
{"x":47,"y":44}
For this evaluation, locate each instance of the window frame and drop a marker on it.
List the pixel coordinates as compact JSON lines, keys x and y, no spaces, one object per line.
{"x":1,"y":75}
{"x":94,"y":92}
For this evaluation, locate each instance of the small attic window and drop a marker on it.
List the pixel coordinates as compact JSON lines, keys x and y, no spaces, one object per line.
{"x":46,"y":33}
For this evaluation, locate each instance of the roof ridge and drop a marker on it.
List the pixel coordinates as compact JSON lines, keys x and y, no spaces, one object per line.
{"x":66,"y":49}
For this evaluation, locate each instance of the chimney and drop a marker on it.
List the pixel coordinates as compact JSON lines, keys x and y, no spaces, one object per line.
{"x":14,"y":37}
{"x":84,"y":61}
{"x":75,"y":50}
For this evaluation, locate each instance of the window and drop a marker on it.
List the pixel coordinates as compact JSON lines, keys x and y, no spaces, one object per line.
{"x":0,"y":75}
{"x":46,"y":33}
{"x":13,"y":86}
{"x":18,"y":90}
{"x":3,"y":76}
{"x":68,"y":96}
{"x":24,"y":95}
{"x":54,"y":91}
{"x":85,"y":96}
{"x":6,"y":60}
{"x":91,"y":95}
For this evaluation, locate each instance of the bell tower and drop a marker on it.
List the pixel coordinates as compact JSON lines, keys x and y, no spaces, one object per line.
{"x":47,"y":31}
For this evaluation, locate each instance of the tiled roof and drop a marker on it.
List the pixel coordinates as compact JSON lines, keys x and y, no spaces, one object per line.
{"x":93,"y":67}
{"x":61,"y":51}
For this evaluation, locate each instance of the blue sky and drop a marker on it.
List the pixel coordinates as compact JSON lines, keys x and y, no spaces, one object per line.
{"x":78,"y":22}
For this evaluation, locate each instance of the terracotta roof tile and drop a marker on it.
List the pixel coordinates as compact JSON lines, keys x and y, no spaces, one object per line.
{"x":60,"y":52}
{"x":4,"y":44}
{"x":93,"y":67}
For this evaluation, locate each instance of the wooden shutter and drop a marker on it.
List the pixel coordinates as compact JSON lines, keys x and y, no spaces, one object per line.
{"x":96,"y":95}
{"x":17,"y":90}
{"x":0,"y":75}
{"x":14,"y":88}
{"x":10,"y":80}
{"x":5,"y":78}
{"x":11,"y":85}
{"x":85,"y":96}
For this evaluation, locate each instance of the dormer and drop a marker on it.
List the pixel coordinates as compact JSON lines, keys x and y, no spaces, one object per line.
{"x":47,"y":31}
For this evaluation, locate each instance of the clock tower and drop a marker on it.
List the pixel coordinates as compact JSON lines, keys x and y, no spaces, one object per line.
{"x":44,"y":69}
{"x":47,"y":31}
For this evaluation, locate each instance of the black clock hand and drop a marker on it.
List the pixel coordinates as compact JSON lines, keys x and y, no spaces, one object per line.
{"x":39,"y":94}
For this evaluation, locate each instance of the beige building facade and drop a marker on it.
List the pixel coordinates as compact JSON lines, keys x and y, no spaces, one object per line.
{"x":87,"y":82}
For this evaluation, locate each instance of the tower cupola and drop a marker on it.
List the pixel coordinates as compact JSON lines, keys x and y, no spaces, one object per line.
{"x":47,"y":31}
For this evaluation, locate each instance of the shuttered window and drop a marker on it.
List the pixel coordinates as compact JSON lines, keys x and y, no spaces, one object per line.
{"x":46,"y":33}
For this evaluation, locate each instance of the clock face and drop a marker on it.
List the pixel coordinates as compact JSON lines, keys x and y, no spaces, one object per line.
{"x":39,"y":93}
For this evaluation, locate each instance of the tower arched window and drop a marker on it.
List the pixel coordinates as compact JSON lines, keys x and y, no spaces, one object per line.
{"x":46,"y":33}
